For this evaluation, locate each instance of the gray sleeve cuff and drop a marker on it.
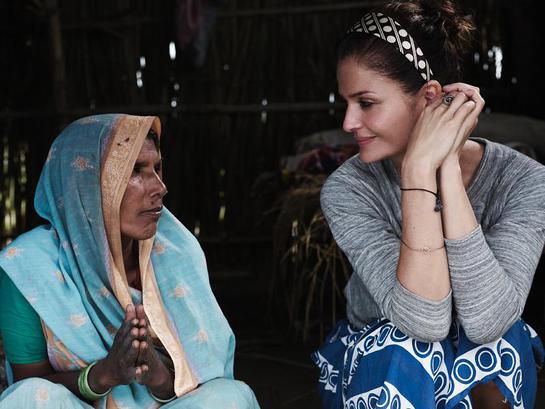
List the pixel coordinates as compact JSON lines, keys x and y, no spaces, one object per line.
{"x":485,"y":298}
{"x":420,"y":318}
{"x":470,"y":242}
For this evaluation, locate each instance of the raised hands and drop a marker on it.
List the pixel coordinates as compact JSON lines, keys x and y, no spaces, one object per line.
{"x":118,"y":367}
{"x":133,"y":358}
{"x":472,"y":95}
{"x":443,"y":126}
{"x":150,"y":369}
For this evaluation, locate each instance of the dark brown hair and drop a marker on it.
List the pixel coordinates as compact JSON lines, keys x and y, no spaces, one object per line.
{"x":438,"y":28}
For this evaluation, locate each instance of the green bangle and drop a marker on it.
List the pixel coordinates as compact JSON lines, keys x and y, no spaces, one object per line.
{"x":85,"y":389}
{"x":163,"y":400}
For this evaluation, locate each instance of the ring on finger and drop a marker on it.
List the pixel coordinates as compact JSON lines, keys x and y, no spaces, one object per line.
{"x":447,"y":99}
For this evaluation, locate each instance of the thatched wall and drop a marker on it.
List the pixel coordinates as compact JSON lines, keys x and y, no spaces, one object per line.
{"x":69,"y":59}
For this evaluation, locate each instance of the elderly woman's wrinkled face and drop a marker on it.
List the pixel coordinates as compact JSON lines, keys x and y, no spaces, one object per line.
{"x":143,"y":200}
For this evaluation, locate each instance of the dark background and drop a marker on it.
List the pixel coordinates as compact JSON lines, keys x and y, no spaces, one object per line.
{"x":252,"y":79}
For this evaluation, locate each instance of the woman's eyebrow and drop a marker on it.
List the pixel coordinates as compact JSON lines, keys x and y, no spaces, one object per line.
{"x":360,"y":93}
{"x":355,"y":94}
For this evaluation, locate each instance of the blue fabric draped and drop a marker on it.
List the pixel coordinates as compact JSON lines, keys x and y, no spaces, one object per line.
{"x":62,"y":269}
{"x":378,"y":366}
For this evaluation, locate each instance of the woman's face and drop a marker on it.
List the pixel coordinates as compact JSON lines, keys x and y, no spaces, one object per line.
{"x":142,"y":202}
{"x":379,"y":113}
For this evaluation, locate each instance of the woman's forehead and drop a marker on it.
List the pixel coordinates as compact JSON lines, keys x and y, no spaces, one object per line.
{"x":355,"y":79}
{"x":148,"y":150}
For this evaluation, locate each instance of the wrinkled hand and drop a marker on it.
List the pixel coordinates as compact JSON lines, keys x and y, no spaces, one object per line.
{"x":133,"y":358}
{"x":150,"y":369}
{"x":119,"y":366}
{"x":442,"y":129}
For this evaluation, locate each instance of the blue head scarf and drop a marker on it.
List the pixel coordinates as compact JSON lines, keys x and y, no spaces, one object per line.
{"x":71,"y":269}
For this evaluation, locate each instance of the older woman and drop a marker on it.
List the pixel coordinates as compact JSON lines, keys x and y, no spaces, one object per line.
{"x":109,"y":302}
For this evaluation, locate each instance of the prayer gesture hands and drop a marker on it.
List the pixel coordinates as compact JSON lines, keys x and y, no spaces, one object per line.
{"x":444,"y":125}
{"x":150,"y":369}
{"x":133,"y":358}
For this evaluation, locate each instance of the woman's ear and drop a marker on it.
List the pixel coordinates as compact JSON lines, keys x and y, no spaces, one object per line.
{"x":430,"y":91}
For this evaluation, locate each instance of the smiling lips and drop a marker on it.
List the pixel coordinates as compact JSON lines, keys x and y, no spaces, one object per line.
{"x":365,"y":140}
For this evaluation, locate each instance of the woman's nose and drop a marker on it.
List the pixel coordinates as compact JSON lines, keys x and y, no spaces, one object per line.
{"x":352,"y":120}
{"x":159,"y":188}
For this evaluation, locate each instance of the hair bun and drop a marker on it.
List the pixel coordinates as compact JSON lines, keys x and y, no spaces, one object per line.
{"x":444,"y":18}
{"x":439,"y":24}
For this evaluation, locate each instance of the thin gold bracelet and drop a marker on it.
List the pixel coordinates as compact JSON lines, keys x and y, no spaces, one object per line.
{"x":424,"y":249}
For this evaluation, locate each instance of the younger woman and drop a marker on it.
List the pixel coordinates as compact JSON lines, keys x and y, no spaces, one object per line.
{"x":443,"y":232}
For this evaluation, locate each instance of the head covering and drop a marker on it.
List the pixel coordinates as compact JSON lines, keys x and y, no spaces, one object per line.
{"x":393,"y":33}
{"x":71,"y":269}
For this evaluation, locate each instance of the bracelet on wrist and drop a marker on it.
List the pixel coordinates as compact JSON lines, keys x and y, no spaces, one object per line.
{"x":424,"y":249}
{"x":162,"y":400}
{"x":438,"y":204}
{"x":85,"y":389}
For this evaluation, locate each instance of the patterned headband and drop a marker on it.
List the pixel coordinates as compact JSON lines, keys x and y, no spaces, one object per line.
{"x":391,"y":31}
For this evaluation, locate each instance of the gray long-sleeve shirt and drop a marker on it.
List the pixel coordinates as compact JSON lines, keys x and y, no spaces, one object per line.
{"x":491,"y":269}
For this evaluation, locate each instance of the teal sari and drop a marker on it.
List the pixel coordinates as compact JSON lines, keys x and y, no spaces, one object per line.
{"x":71,"y":272}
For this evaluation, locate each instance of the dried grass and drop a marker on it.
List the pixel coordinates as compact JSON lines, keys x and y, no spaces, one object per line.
{"x":311,"y":269}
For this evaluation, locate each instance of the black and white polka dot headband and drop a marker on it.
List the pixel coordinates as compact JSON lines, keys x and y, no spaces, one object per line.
{"x":391,"y":31}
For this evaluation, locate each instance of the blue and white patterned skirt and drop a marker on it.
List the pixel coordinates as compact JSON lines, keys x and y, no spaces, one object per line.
{"x":380,"y":367}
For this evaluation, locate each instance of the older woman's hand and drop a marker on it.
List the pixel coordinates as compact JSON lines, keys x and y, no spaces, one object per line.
{"x":150,"y":369}
{"x":119,"y":366}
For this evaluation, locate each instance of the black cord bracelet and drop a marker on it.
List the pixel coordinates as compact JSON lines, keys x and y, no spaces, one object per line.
{"x":438,"y":204}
